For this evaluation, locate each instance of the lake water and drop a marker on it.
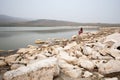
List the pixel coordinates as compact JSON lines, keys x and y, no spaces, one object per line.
{"x":19,"y":37}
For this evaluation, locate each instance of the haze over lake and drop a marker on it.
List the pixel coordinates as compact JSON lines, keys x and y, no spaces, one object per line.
{"x":18,"y":37}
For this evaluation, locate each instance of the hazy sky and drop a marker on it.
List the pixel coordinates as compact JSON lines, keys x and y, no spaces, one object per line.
{"x":107,"y":11}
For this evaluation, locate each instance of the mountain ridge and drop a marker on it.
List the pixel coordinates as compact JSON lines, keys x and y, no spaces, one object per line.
{"x":5,"y":19}
{"x":15,"y":21}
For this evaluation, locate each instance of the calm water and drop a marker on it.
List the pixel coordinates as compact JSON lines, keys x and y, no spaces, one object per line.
{"x":19,"y":37}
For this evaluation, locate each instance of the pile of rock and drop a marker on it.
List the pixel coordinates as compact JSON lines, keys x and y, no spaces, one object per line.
{"x":85,"y":57}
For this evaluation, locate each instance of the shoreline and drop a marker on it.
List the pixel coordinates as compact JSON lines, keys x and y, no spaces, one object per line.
{"x":26,"y":35}
{"x":82,"y":57}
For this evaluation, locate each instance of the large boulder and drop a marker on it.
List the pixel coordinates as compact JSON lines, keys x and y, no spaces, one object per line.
{"x":40,"y":70}
{"x":38,"y":41}
{"x":2,"y":63}
{"x":69,"y":69}
{"x":11,"y":58}
{"x":87,"y":74}
{"x":109,"y":67}
{"x":70,"y":45}
{"x":113,"y":37}
{"x":65,"y":56}
{"x":114,"y":53}
{"x":85,"y":63}
{"x":114,"y":78}
{"x":27,"y":50}
{"x":87,"y":50}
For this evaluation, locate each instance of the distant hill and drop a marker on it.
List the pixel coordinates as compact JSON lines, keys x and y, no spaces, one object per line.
{"x":4,"y":19}
{"x":47,"y":22}
{"x":14,"y":21}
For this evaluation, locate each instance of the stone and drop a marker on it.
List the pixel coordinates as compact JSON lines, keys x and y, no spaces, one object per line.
{"x":2,"y":58}
{"x":116,"y":45}
{"x":78,"y":54}
{"x":114,"y":78}
{"x":48,"y":54}
{"x":40,"y":56}
{"x":115,"y":53}
{"x":70,"y":70}
{"x":70,"y":45}
{"x":33,"y":51}
{"x":11,"y":58}
{"x":99,"y":62}
{"x":2,"y":63}
{"x":104,"y":51}
{"x":30,"y":51}
{"x":15,"y":66}
{"x":38,"y":41}
{"x":85,"y":63}
{"x":95,"y":55}
{"x":74,"y":37}
{"x":113,"y":37}
{"x":109,"y":44}
{"x":98,"y":46}
{"x":22,"y":50}
{"x":32,"y":47}
{"x":87,"y":50}
{"x":105,"y":58}
{"x":87,"y":74}
{"x":84,"y":35}
{"x":109,"y":67}
{"x":41,"y":70}
{"x":65,"y":56}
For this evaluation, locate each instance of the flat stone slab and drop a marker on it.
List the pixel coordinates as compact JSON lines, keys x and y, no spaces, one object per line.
{"x":109,"y":67}
{"x":41,"y":70}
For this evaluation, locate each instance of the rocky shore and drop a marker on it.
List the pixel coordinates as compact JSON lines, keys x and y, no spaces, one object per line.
{"x":89,"y":56}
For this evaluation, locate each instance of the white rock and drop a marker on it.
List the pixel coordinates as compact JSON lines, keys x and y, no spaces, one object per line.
{"x":114,"y":78}
{"x":113,"y":37}
{"x":109,"y":67}
{"x":98,"y":62}
{"x":70,"y":70}
{"x":109,"y":44}
{"x":70,"y":45}
{"x":87,"y":74}
{"x":99,"y":46}
{"x":114,"y":53}
{"x":38,"y":41}
{"x":85,"y":63}
{"x":2,"y":63}
{"x":15,"y":66}
{"x":48,"y":54}
{"x":22,"y":50}
{"x":95,"y":55}
{"x":74,"y":37}
{"x":78,"y":53}
{"x":65,"y":56}
{"x":84,"y":35}
{"x":11,"y":58}
{"x":41,"y":70}
{"x":2,"y":58}
{"x":32,"y":47}
{"x":40,"y":56}
{"x":87,"y":50}
{"x":117,"y":44}
{"x":104,"y":51}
